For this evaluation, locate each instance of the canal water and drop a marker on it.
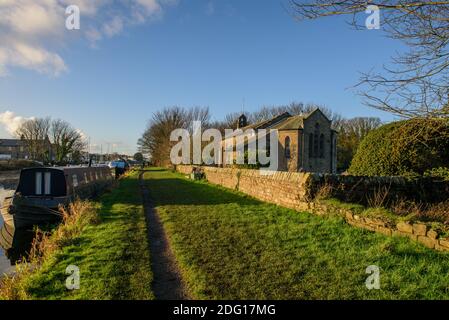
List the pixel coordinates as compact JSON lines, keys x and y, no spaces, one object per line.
{"x":8,"y":184}
{"x":5,"y":264}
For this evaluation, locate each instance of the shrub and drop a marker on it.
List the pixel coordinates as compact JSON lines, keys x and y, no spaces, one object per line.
{"x":438,"y":173}
{"x":406,"y":148}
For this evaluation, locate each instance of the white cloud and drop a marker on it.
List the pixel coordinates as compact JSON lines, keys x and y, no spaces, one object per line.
{"x":11,"y":122}
{"x":31,"y":18}
{"x":22,"y":54}
{"x":93,"y":36}
{"x":151,"y":6}
{"x":87,"y":7}
{"x":31,"y":31}
{"x":113,"y":27}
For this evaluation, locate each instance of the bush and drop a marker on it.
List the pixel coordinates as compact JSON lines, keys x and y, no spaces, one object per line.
{"x":438,"y":173}
{"x":406,"y":148}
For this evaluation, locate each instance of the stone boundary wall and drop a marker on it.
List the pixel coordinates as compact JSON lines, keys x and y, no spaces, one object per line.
{"x":415,"y":231}
{"x":298,"y":190}
{"x":303,"y":187}
{"x":359,"y":189}
{"x":288,"y":189}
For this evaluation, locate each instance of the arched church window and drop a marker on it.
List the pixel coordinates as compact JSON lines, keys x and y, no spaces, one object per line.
{"x":287,"y":148}
{"x":322,"y":146}
{"x":316,"y":141}
{"x":311,"y":145}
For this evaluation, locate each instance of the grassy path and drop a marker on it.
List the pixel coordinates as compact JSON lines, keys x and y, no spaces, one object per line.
{"x":167,"y":282}
{"x":230,"y":246}
{"x":112,"y":256}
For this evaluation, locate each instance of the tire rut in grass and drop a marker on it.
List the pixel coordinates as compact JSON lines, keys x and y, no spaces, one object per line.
{"x":167,"y":280}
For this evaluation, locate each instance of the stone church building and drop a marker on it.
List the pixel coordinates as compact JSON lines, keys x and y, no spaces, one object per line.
{"x":306,"y":143}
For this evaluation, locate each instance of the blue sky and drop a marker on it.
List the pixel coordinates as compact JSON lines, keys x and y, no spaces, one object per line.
{"x":192,"y":53}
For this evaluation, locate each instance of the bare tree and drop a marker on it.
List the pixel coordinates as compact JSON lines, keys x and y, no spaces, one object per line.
{"x":416,"y":84}
{"x":66,"y":140}
{"x":155,"y":141}
{"x":35,"y":134}
{"x":45,"y":138}
{"x":350,"y":133}
{"x":198,"y":114}
{"x":230,"y":121}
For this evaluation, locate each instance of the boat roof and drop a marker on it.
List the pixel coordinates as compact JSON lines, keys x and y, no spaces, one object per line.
{"x":67,"y":168}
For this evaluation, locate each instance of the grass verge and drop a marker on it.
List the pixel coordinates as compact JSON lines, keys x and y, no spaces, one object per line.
{"x":106,"y":239}
{"x":231,"y":246}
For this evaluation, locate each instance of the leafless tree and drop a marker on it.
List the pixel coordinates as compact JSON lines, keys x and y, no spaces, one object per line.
{"x":66,"y":140}
{"x":155,"y":141}
{"x":198,"y":114}
{"x":416,"y":83}
{"x":45,"y":138}
{"x":230,"y":121}
{"x":34,"y":133}
{"x":350,"y":133}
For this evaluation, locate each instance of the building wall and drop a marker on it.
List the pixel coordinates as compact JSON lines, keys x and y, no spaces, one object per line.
{"x":20,"y":150}
{"x":233,"y":140}
{"x":292,"y":163}
{"x":312,"y":162}
{"x":15,"y":152}
{"x":322,"y":160}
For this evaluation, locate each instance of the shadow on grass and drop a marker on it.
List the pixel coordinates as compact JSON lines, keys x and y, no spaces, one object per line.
{"x":178,"y":191}
{"x":112,"y":256}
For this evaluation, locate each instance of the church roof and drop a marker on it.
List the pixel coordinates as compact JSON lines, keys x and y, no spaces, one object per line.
{"x":284,"y":121}
{"x":292,"y":123}
{"x":268,"y":124}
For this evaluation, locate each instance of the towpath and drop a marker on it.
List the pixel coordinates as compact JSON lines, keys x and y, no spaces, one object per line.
{"x":167,"y":280}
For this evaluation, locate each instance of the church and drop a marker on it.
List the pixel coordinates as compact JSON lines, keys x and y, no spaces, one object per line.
{"x":307,"y":143}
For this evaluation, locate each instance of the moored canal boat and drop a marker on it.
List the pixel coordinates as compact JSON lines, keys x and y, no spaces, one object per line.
{"x":42,"y":190}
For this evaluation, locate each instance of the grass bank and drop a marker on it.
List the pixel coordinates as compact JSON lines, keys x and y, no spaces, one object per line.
{"x":108,"y":243}
{"x":230,"y":246}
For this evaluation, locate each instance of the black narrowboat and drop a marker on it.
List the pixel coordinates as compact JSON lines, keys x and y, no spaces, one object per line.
{"x":41,"y":191}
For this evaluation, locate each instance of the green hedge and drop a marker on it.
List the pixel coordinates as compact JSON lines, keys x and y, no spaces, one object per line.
{"x":408,"y":148}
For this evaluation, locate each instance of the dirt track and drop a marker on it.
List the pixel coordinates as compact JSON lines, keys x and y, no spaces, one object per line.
{"x":167,"y":281}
